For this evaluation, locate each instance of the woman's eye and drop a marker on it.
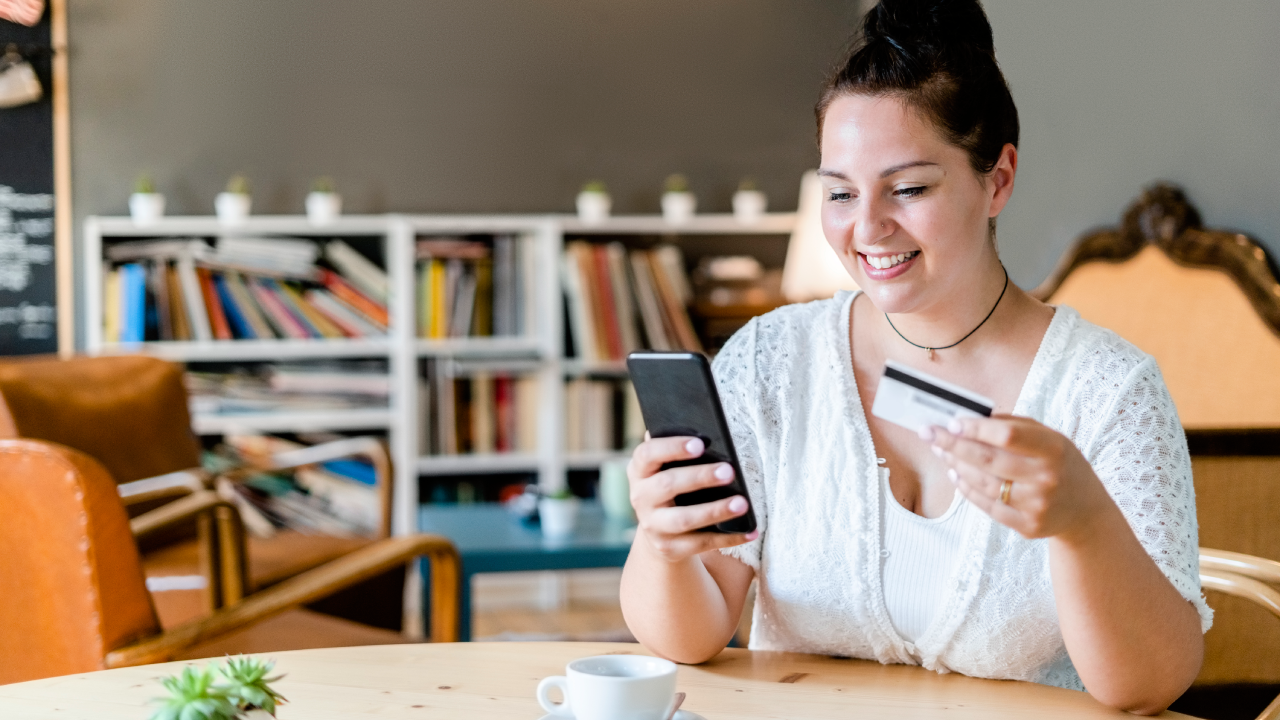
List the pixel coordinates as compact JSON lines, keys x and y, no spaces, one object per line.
{"x":838,"y":196}
{"x":911,"y":192}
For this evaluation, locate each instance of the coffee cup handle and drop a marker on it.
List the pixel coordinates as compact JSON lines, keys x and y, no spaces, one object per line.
{"x":544,"y":699}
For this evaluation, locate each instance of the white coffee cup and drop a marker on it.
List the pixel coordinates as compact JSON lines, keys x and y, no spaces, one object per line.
{"x":613,"y":687}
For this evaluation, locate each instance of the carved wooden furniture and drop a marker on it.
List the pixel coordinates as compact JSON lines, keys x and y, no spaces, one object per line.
{"x":72,"y":594}
{"x":1248,"y":577}
{"x":1206,"y":304}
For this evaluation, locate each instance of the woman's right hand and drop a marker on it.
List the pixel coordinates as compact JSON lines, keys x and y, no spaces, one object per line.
{"x":671,"y":530}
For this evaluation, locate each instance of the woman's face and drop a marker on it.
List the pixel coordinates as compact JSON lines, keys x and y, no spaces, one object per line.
{"x":903,"y":208}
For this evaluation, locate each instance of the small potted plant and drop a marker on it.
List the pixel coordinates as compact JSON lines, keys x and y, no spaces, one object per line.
{"x":749,"y":202}
{"x":324,"y":204}
{"x":233,"y":204}
{"x":239,"y":689}
{"x":678,"y":204}
{"x":146,"y":206}
{"x":593,"y":203}
{"x":558,"y":513}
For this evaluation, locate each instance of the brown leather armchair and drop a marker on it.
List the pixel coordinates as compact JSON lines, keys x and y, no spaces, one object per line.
{"x":130,"y":413}
{"x":72,"y":593}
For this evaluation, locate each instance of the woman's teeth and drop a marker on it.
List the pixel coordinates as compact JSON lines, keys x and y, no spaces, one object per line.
{"x":884,"y":262}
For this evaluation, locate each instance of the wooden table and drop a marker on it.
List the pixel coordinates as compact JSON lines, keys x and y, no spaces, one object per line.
{"x":496,"y":680}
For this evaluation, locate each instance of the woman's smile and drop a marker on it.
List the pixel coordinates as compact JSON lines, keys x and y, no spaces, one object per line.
{"x":881,"y":266}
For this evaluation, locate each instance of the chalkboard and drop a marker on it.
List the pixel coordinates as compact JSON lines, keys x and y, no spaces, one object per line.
{"x":28,"y":286}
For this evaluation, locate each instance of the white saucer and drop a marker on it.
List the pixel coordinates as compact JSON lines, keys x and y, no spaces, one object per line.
{"x":680,"y":715}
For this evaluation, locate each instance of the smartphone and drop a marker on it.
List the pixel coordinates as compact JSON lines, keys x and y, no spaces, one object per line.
{"x":678,"y":398}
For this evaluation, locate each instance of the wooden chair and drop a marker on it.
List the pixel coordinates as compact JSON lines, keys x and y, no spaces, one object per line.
{"x":1248,"y":577}
{"x":72,"y":593}
{"x":1206,"y":304}
{"x":130,"y":413}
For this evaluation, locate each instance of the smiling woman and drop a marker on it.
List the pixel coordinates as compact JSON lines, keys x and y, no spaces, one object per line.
{"x":1054,"y":541}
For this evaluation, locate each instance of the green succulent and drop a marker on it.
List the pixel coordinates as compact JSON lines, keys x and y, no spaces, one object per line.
{"x":748,"y":184}
{"x":676,"y":183}
{"x":323,"y":184}
{"x":144,"y":185}
{"x":594,"y":186}
{"x":562,"y":494}
{"x":219,"y":693}
{"x":238,"y":184}
{"x":246,"y":683}
{"x":194,"y":696}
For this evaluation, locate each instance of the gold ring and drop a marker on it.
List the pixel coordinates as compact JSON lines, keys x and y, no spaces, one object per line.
{"x":1005,"y":487}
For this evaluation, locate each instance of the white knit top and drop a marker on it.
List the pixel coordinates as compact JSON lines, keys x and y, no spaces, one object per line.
{"x":918,"y":556}
{"x":786,"y":381}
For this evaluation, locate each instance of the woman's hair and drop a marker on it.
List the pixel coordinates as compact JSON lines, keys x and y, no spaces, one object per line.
{"x":939,"y":57}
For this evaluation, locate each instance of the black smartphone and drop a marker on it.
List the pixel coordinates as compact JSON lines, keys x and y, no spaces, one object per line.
{"x":677,"y":398}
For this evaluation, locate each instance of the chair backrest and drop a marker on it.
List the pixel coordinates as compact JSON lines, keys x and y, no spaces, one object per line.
{"x":71,"y":584}
{"x":128,"y":413}
{"x":1204,"y":303}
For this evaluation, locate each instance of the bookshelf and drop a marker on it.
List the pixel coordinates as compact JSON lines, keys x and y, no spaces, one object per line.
{"x":535,"y":351}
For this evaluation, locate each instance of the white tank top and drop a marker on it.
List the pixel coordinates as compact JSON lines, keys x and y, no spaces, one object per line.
{"x":919,"y":556}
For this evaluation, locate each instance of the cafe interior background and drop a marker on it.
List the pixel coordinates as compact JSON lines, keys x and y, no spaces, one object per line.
{"x":470,"y":144}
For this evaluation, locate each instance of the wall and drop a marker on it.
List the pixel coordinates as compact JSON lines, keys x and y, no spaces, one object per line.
{"x":1115,"y":95}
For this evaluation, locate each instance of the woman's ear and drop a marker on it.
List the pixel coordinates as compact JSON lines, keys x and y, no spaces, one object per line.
{"x":1002,"y":176}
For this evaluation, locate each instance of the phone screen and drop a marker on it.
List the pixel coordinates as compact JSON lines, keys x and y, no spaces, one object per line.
{"x":678,"y":398}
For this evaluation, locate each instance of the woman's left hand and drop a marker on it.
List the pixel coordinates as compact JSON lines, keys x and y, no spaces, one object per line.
{"x":1052,"y":489}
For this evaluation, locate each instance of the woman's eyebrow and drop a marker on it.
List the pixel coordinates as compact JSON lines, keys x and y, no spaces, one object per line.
{"x":904,"y":166}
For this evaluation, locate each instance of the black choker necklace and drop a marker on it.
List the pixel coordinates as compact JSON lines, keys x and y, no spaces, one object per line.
{"x":966,"y":337}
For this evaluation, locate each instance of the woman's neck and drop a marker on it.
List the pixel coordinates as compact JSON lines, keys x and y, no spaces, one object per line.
{"x":949,"y":319}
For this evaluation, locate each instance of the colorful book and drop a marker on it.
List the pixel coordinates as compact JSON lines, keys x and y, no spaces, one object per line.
{"x":111,"y":306}
{"x":177,"y":305}
{"x":673,"y":292}
{"x":240,"y":327}
{"x":464,"y":303}
{"x":275,"y":312}
{"x":581,"y":324}
{"x":351,"y":323}
{"x":504,"y":285}
{"x":158,"y":281}
{"x":437,"y":300}
{"x":482,"y":315}
{"x":371,"y":279}
{"x":195,"y":298}
{"x":133,"y":301}
{"x":306,"y":311}
{"x":608,"y":303}
{"x":624,"y":305}
{"x":424,"y":299}
{"x":217,"y":317}
{"x":647,"y":298}
{"x":248,"y":307}
{"x":348,"y":293}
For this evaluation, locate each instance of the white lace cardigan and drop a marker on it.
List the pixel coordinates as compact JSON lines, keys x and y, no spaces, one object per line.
{"x":789,"y":393}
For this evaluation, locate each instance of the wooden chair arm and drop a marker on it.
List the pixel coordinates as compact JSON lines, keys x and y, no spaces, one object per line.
{"x":177,"y":511}
{"x":313,"y":585}
{"x":1268,"y":571}
{"x":367,"y":447}
{"x":1241,"y":586}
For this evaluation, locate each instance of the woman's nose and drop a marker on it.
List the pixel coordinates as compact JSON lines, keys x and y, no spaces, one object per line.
{"x":872,"y":224}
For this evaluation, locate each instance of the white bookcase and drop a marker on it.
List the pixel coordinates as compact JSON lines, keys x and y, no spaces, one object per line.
{"x":538,"y":352}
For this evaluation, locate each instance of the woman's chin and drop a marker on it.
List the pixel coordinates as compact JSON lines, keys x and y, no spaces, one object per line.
{"x":891,"y":298}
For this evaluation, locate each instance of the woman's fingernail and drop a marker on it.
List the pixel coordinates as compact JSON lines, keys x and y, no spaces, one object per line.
{"x":926,"y":433}
{"x":953,"y":475}
{"x":738,"y":504}
{"x":724,"y":472}
{"x":954,"y":426}
{"x":936,"y":450}
{"x":695,"y":447}
{"x":753,"y":534}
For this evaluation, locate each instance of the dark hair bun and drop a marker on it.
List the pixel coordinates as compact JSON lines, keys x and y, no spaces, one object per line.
{"x":939,"y":56}
{"x":929,"y":25}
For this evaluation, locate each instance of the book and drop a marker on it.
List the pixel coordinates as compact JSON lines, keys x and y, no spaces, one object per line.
{"x":282,"y":321}
{"x":111,"y":306}
{"x":437,"y":300}
{"x":607,"y":303}
{"x":369,"y":278}
{"x":351,"y":295}
{"x":351,"y":323}
{"x":133,"y":300}
{"x":322,"y":380}
{"x":504,"y":414}
{"x":525,"y":309}
{"x":483,"y":413}
{"x":177,"y":305}
{"x":527,"y":399}
{"x":249,"y":309}
{"x":305,"y":312}
{"x":647,"y":298}
{"x":290,"y":256}
{"x":424,"y":300}
{"x":158,"y":283}
{"x":217,"y":317}
{"x":624,"y":305}
{"x":673,"y":289}
{"x":239,"y":325}
{"x":194,"y":297}
{"x":482,"y":315}
{"x":135,"y":250}
{"x":581,"y":320}
{"x":463,"y":304}
{"x":504,"y":285}
{"x":355,"y":503}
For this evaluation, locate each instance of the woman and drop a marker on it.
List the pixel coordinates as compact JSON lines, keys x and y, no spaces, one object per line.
{"x":1055,"y":542}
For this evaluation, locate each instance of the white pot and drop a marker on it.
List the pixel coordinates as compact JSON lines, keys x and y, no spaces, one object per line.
{"x":558,"y":516}
{"x":323,"y":207}
{"x":593,"y":207}
{"x":678,"y":207}
{"x":232,"y":208}
{"x":146,"y":208}
{"x":749,"y":206}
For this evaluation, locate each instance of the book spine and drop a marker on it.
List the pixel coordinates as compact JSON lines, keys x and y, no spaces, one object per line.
{"x":437,"y":299}
{"x":504,"y":414}
{"x":111,"y":307}
{"x":647,"y":298}
{"x":195,"y":297}
{"x":579,"y":314}
{"x":286,"y":325}
{"x":591,"y":293}
{"x":368,"y":277}
{"x":482,"y":315}
{"x":523,"y":304}
{"x":526,"y":440}
{"x":464,"y":304}
{"x":339,"y":314}
{"x":424,"y":298}
{"x":248,"y":308}
{"x":134,"y":305}
{"x":348,"y":293}
{"x":482,"y":413}
{"x":177,"y":305}
{"x":235,"y":319}
{"x":307,"y":311}
{"x":221,"y":329}
{"x":669,"y":283}
{"x":503,"y":285}
{"x":608,"y":305}
{"x":622,"y":297}
{"x":158,"y":278}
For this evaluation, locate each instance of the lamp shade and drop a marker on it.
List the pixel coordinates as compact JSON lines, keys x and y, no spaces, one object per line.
{"x":812,"y":270}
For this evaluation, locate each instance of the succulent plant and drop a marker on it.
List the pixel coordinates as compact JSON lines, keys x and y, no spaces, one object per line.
{"x":143,"y":185}
{"x":323,"y":184}
{"x":594,"y":186}
{"x":194,"y":696}
{"x":748,"y":184}
{"x":219,"y":693}
{"x":238,"y":184}
{"x":676,"y":183}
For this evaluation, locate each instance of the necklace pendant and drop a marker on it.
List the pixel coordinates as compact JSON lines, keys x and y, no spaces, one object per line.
{"x":930,"y":354}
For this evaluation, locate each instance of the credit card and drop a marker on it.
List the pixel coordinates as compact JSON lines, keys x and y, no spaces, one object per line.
{"x":916,"y":400}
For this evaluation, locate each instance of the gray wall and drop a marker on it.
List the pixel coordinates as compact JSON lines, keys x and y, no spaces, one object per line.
{"x":1114,"y":95}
